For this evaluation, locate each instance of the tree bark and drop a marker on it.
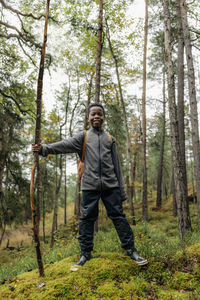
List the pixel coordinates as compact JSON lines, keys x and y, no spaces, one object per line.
{"x":128,"y":142}
{"x":193,"y":102}
{"x":99,"y":52}
{"x":58,"y":186}
{"x":65,"y":193}
{"x":37,"y":141}
{"x":144,"y":197}
{"x":160,"y":166}
{"x":43,"y":203}
{"x":173,"y":190}
{"x":133,"y":174}
{"x":176,"y":152}
{"x":88,"y":101}
{"x":180,"y":110}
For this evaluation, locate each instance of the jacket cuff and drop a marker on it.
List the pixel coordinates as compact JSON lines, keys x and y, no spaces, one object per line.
{"x":43,"y":151}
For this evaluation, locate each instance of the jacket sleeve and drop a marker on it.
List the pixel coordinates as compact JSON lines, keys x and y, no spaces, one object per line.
{"x":118,"y":171}
{"x":70,"y":145}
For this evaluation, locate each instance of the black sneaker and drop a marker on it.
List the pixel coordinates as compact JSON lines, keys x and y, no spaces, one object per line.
{"x":135,"y":256}
{"x":84,"y":257}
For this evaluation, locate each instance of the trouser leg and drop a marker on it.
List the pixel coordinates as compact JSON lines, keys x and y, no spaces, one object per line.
{"x":112,"y":201}
{"x":89,"y":214}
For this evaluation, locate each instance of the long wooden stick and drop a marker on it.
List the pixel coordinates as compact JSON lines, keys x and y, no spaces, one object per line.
{"x":37,"y":141}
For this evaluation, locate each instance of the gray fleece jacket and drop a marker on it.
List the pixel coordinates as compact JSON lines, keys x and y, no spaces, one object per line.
{"x":102,"y":168}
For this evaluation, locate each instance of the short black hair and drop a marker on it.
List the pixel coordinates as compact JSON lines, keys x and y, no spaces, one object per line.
{"x":96,"y":104}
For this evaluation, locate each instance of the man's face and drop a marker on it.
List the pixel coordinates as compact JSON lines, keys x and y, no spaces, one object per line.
{"x":96,"y":116}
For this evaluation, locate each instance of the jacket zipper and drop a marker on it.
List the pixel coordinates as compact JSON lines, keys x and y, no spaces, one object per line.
{"x":100,"y":175}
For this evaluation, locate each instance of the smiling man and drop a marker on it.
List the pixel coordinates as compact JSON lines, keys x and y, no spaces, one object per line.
{"x":102,"y":178}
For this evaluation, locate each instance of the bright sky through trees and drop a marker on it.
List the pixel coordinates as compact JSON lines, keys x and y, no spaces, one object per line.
{"x":53,"y":81}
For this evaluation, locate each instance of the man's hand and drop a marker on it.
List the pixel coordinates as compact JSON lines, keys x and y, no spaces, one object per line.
{"x":36,"y":148}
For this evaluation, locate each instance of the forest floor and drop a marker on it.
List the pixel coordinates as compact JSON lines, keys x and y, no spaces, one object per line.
{"x":173,"y":271}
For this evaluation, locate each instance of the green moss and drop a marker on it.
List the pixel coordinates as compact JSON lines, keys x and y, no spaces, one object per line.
{"x":108,"y":276}
{"x":176,"y":295}
{"x":184,"y":281}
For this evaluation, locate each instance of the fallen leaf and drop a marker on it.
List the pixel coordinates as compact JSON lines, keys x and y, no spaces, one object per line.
{"x":40,"y":285}
{"x":73,"y":269}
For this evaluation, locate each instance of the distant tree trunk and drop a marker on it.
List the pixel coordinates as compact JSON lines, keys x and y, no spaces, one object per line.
{"x":162,"y":147}
{"x":3,"y":232}
{"x":133,"y":173}
{"x":193,"y":102}
{"x":192,"y":177}
{"x":180,"y":110}
{"x":77,"y":206}
{"x":65,"y":193}
{"x":128,"y":142}
{"x":176,"y":153}
{"x":37,"y":141}
{"x":99,"y":52}
{"x":43,"y":202}
{"x":58,"y":183}
{"x":144,"y":198}
{"x":174,"y":196}
{"x":58,"y":186}
{"x":89,"y":94}
{"x":65,"y":163}
{"x":39,"y":197}
{"x":77,"y":199}
{"x":55,"y":211}
{"x":2,"y":165}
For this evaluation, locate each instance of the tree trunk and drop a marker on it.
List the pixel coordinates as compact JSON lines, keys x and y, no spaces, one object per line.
{"x":176,"y":153}
{"x":65,"y":193}
{"x":144,"y":198}
{"x":64,"y":124}
{"x":180,"y":111}
{"x":133,"y":173}
{"x":160,"y":166}
{"x":37,"y":141}
{"x":43,"y":203}
{"x":174,"y":195}
{"x":77,"y":206}
{"x":2,"y":165}
{"x":99,"y":52}
{"x":39,"y":197}
{"x":128,"y":142}
{"x":88,"y":101}
{"x":193,"y":102}
{"x":58,"y":186}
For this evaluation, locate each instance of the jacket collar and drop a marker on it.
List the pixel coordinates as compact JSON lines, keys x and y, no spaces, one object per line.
{"x":101,"y":130}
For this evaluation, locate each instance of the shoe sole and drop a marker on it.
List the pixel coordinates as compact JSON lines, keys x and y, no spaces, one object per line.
{"x":142,"y":263}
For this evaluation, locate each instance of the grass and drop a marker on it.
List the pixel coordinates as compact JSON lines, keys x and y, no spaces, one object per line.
{"x":173,"y":271}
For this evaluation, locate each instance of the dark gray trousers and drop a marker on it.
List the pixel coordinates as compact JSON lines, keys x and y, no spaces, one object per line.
{"x":89,"y":214}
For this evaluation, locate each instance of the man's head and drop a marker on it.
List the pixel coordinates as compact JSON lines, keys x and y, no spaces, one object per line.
{"x":96,"y":115}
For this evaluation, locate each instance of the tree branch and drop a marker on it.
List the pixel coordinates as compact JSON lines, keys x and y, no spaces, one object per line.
{"x":15,"y":101}
{"x":23,"y":14}
{"x":27,"y":54}
{"x":21,"y":36}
